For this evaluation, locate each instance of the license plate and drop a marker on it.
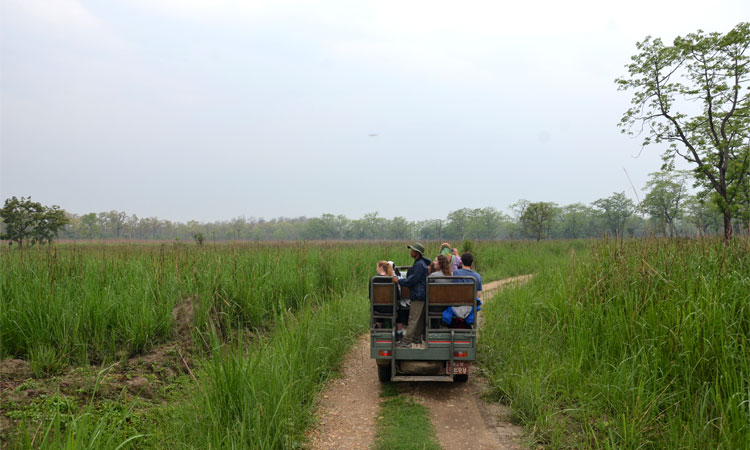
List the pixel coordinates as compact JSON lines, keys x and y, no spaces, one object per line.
{"x":459,"y":368}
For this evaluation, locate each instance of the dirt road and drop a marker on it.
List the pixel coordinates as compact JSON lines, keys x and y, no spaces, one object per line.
{"x":349,"y":405}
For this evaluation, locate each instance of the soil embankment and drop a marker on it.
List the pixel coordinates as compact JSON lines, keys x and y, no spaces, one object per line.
{"x":463,"y":419}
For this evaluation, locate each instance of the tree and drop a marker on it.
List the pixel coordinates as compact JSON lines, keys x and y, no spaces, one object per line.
{"x":374,"y":226}
{"x":114,"y":221}
{"x":130,"y":226}
{"x":743,"y":205}
{"x":536,"y":219}
{"x":326,"y":226}
{"x":238,"y":226}
{"x":576,"y":221}
{"x":690,"y":96}
{"x":430,"y":230}
{"x":615,"y":210}
{"x":399,"y":228}
{"x":485,"y":223}
{"x":150,"y":227}
{"x":19,"y":217}
{"x":89,"y":225}
{"x":27,"y":220}
{"x":702,"y":214}
{"x":458,"y":224}
{"x":517,"y":209}
{"x":49,"y":223}
{"x":663,"y":202}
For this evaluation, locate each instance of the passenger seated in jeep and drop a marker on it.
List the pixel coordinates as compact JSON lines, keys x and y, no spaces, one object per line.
{"x":463,"y":316}
{"x":385,"y":268}
{"x":441,"y":267}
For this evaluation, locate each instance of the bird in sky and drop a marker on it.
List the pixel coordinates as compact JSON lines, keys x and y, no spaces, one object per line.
{"x":373,"y":135}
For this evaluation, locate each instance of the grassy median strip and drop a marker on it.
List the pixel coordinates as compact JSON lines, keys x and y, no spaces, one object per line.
{"x":403,"y":423}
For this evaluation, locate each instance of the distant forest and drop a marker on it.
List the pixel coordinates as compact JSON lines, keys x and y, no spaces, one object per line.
{"x":665,"y":213}
{"x":666,"y":208}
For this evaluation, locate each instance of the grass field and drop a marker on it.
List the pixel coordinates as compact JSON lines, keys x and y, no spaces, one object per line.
{"x":644,"y":344}
{"x":267,"y":327}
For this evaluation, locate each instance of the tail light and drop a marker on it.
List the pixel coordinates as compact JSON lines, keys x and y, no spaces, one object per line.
{"x":460,"y":354}
{"x":384,"y":353}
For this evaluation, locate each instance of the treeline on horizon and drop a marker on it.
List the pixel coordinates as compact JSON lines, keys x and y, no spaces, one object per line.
{"x":666,"y":209}
{"x":616,"y":215}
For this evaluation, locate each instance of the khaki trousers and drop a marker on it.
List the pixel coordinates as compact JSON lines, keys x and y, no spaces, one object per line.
{"x":415,"y":329}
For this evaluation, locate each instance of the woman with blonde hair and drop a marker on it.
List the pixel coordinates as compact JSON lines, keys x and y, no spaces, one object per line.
{"x":385,"y":268}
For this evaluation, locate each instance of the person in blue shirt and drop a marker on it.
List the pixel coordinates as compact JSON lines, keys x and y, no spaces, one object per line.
{"x":466,"y":313}
{"x":416,"y":281}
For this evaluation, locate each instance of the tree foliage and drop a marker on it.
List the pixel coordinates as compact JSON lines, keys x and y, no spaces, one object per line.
{"x":666,"y":192}
{"x":614,"y":211}
{"x":577,"y":220}
{"x":696,"y":216}
{"x":743,"y":204}
{"x":536,"y":219}
{"x":693,"y":96}
{"x":703,"y":215}
{"x":30,"y":221}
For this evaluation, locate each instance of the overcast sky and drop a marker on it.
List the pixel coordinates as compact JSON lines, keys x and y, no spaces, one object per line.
{"x":208,"y":110}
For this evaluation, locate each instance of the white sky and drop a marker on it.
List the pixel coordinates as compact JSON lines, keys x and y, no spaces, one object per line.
{"x":207,"y":110}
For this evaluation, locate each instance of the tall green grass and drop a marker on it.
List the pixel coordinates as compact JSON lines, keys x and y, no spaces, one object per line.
{"x":76,"y":304}
{"x":88,"y":303}
{"x":248,"y":395}
{"x":262,"y":396}
{"x":497,"y":260}
{"x":644,"y":344}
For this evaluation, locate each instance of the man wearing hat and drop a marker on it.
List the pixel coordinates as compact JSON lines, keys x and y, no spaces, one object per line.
{"x":416,"y":281}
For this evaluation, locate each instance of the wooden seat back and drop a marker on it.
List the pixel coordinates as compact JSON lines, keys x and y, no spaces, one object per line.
{"x":382,"y":291}
{"x":451,"y":294}
{"x":383,"y":294}
{"x":451,"y":291}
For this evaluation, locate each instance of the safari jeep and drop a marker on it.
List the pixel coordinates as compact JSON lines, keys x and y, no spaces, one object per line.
{"x":445,"y":353}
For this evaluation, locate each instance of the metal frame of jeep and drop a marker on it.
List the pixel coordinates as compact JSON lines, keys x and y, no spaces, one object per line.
{"x":455,"y":347}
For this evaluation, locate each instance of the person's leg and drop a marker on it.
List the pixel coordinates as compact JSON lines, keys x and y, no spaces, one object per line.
{"x":403,"y":317}
{"x":409,"y":325}
{"x":416,"y":322}
{"x":419,"y":328}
